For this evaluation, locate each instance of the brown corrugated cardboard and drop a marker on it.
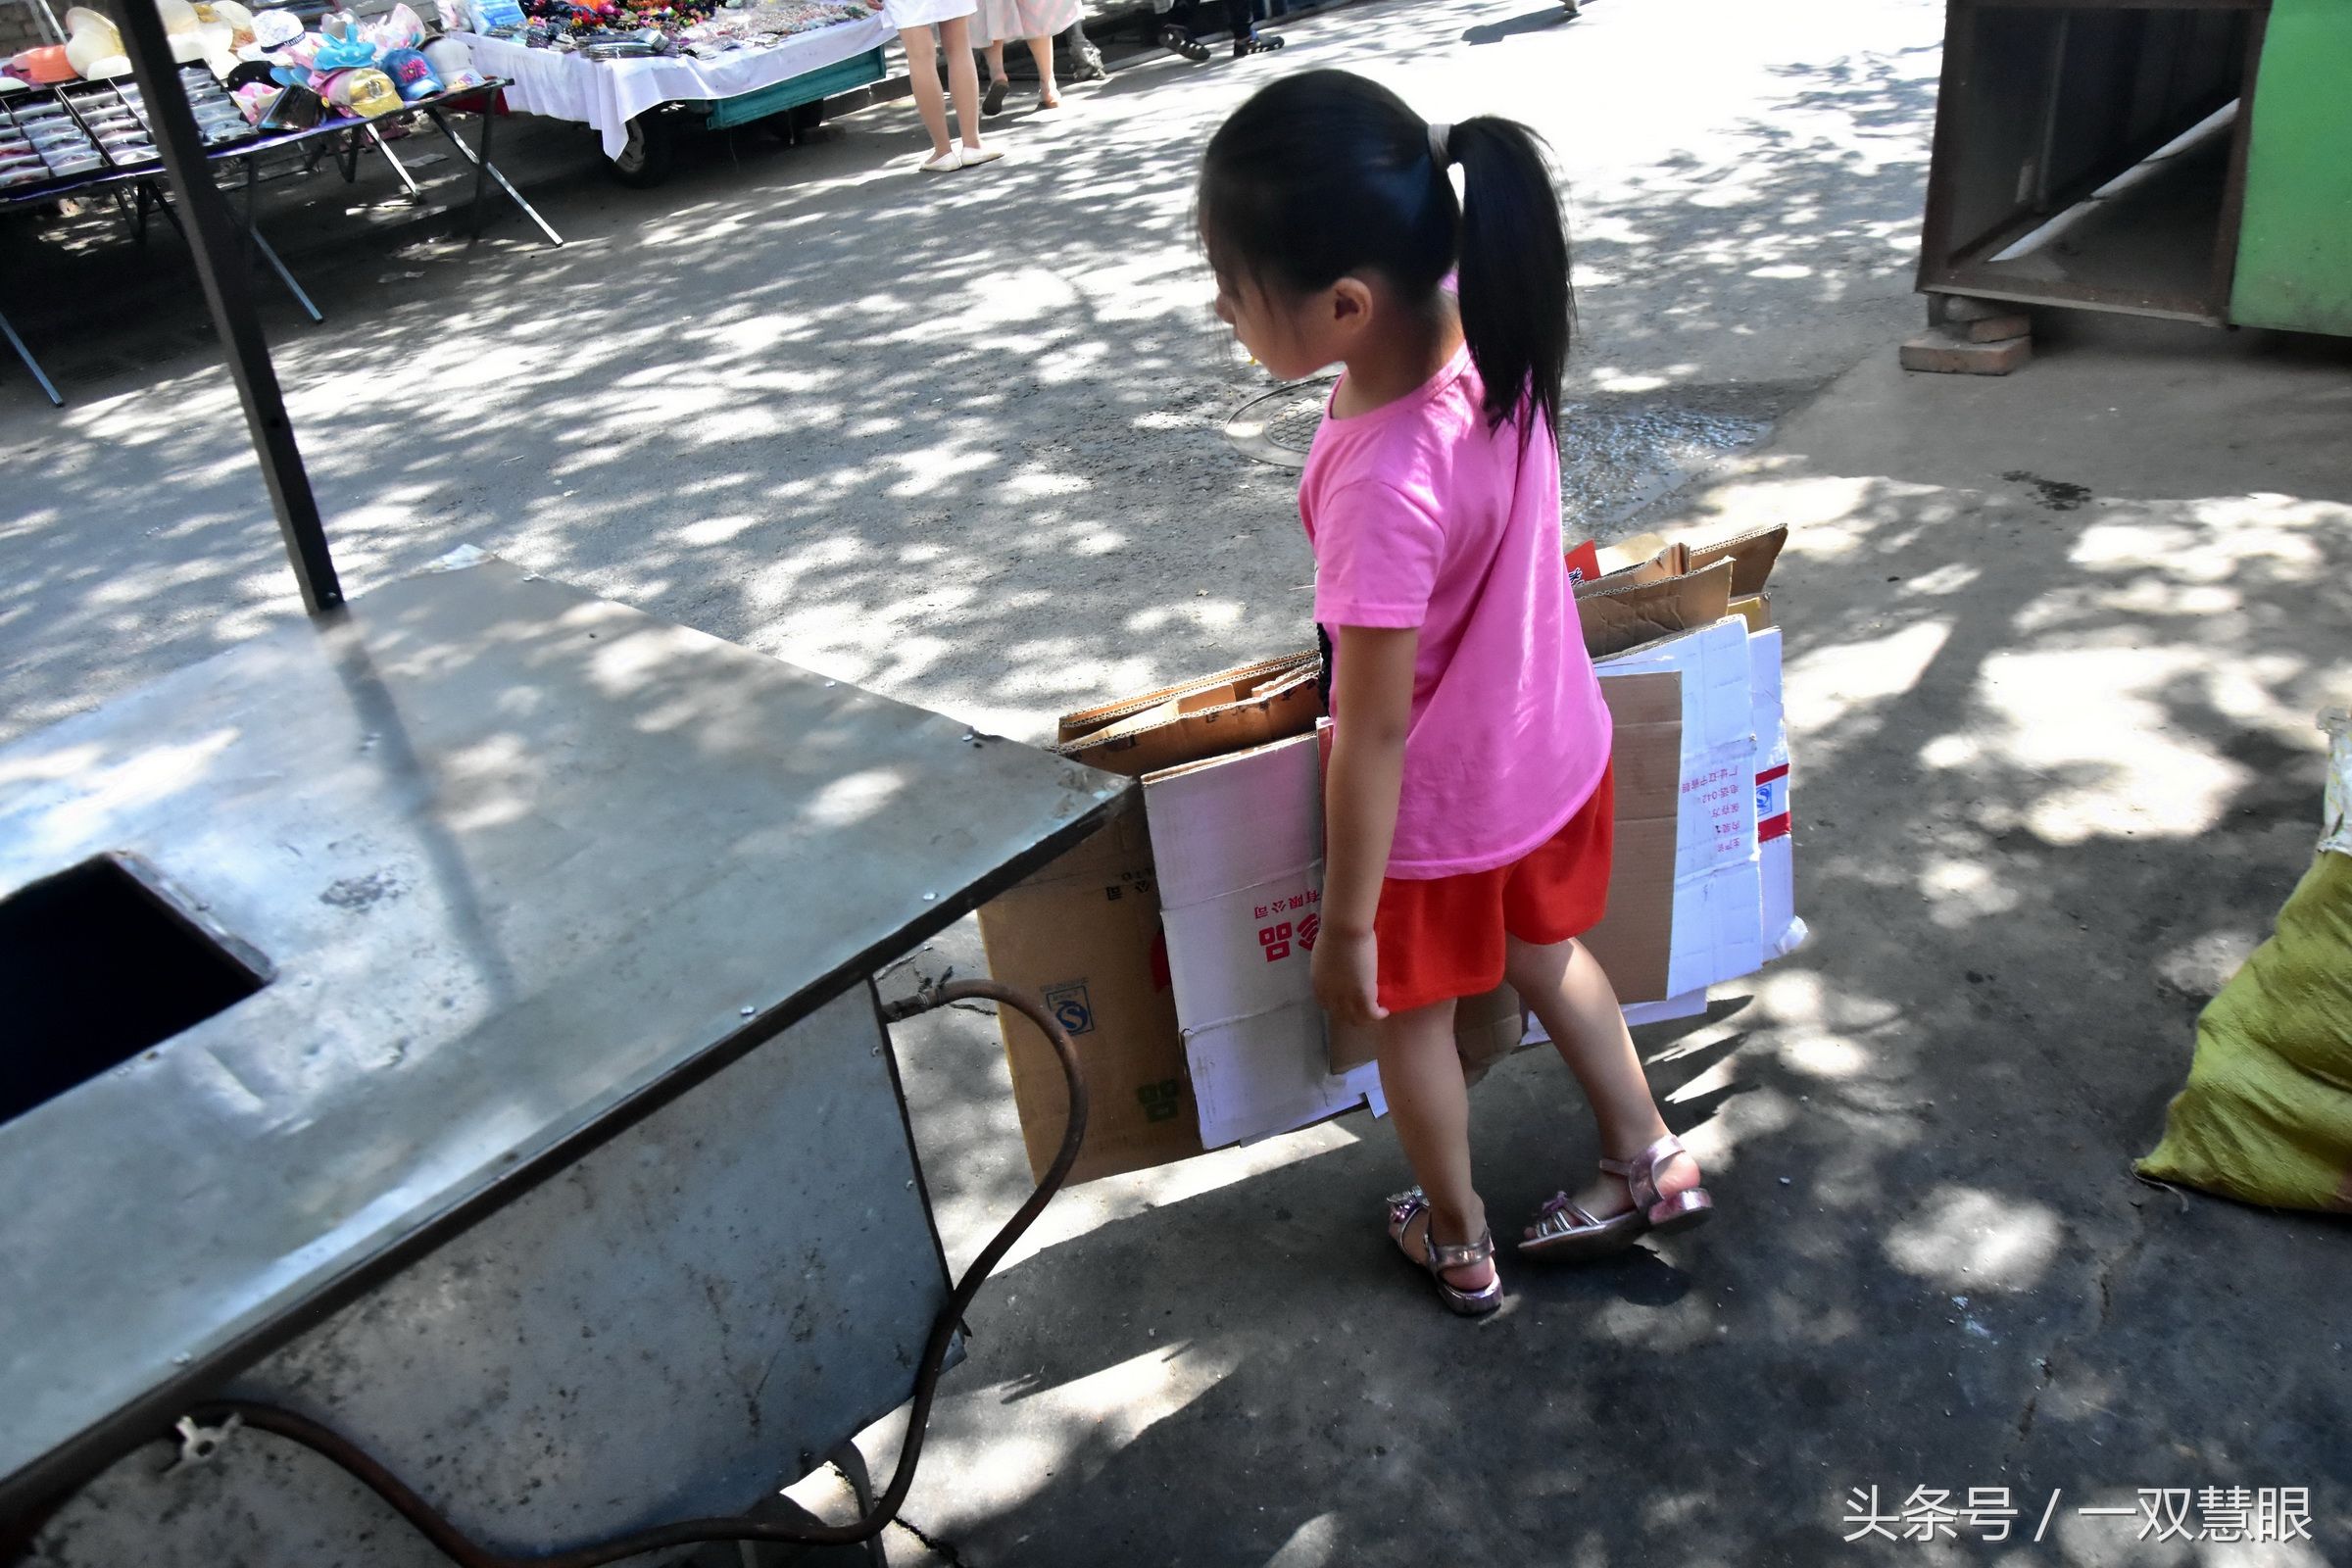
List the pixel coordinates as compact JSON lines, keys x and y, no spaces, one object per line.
{"x":1668,"y":560}
{"x":1751,"y":556}
{"x":1257,"y":677}
{"x":1239,"y":709}
{"x":1616,"y":619}
{"x":1756,"y":609}
{"x":1634,"y":940}
{"x":1637,"y":558}
{"x":1485,"y":1029}
{"x":1085,"y":934}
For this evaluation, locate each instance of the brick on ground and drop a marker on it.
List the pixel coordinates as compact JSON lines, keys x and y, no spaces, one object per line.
{"x":1949,"y":353}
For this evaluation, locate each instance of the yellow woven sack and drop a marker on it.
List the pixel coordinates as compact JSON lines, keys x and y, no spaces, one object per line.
{"x":2267,"y":1116}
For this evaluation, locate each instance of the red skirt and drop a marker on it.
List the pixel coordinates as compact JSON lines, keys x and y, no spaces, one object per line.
{"x":1442,"y":937}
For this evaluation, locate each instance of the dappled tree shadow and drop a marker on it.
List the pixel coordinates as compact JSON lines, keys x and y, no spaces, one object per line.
{"x":949,"y":440}
{"x":2053,"y":777}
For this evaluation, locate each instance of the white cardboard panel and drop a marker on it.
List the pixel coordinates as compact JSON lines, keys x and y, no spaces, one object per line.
{"x":1718,"y":883}
{"x":1222,"y":826}
{"x":1258,"y":1076}
{"x":1247,"y":952}
{"x":1782,"y":930}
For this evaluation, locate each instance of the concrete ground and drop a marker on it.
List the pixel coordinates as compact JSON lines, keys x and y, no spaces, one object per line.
{"x":2055,"y":643}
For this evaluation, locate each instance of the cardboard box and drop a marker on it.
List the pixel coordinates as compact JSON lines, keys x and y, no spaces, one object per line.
{"x":1635,"y":939}
{"x":1666,"y":562}
{"x":1085,"y":933}
{"x":1088,"y":721}
{"x":1239,"y":843}
{"x":1750,"y":554}
{"x":1487,"y":1029}
{"x":1632,"y":613}
{"x":1253,"y":706}
{"x":1775,"y":842}
{"x":1717,"y":923}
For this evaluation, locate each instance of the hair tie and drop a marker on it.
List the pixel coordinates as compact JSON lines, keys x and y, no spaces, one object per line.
{"x":1440,"y":137}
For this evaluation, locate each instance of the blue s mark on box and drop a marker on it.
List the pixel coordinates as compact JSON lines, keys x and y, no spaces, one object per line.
{"x":1071,"y":1008}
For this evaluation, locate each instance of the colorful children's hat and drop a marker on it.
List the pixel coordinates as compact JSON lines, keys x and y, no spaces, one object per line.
{"x":344,"y":54}
{"x":411,"y":74}
{"x":366,"y":92}
{"x":453,"y":62}
{"x":398,"y":28}
{"x":274,"y":30}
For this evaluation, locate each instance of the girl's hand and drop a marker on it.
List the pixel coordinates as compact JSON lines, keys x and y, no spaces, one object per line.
{"x":1345,"y":972}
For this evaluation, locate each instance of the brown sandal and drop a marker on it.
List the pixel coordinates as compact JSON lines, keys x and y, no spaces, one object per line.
{"x":1566,"y":1233}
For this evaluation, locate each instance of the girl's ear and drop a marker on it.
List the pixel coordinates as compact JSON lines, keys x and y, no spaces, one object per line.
{"x":1350,"y":304}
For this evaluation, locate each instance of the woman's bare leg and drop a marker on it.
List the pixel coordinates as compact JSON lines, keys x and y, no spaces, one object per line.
{"x":1041,"y":50}
{"x":922,"y":72}
{"x":963,"y":78}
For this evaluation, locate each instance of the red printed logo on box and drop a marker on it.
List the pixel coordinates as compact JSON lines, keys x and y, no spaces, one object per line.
{"x":1276,"y":940}
{"x":1308,"y":929}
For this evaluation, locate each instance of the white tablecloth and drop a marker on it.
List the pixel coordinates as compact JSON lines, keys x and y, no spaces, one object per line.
{"x":609,"y":94}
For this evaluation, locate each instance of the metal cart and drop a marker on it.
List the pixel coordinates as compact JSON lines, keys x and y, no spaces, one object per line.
{"x":2187,"y":159}
{"x":444,"y":1072}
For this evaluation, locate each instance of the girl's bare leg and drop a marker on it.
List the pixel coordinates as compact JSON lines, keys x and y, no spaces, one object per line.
{"x":922,"y":72}
{"x":1566,"y":988}
{"x":963,"y":78}
{"x":996,"y":59}
{"x":1041,"y":50}
{"x":1421,"y":1074}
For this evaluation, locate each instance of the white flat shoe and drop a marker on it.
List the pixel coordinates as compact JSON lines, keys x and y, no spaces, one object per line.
{"x":981,"y":155}
{"x":945,"y":163}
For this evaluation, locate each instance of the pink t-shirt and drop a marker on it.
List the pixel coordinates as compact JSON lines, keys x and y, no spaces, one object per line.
{"x":1420,"y":515}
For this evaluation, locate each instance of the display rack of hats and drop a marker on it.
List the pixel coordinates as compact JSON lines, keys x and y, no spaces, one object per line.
{"x":65,"y":135}
{"x":265,"y":66}
{"x":72,"y":123}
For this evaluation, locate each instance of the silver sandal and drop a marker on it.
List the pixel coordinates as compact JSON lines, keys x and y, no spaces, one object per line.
{"x":1566,"y":1233}
{"x":1437,"y":1257}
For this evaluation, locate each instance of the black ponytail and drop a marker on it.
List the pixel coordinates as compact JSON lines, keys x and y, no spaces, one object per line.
{"x":1324,"y":174}
{"x":1516,"y":304}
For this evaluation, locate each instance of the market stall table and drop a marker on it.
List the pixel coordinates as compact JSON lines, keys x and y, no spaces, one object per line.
{"x":617,"y":97}
{"x":347,"y":139}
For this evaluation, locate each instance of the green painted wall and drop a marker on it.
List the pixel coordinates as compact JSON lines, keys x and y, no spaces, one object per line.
{"x":2294,"y":249}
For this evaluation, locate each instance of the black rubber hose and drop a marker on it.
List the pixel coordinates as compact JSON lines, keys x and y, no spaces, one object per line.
{"x":461,"y":1549}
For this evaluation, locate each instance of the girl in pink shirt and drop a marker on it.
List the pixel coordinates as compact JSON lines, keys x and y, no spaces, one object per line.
{"x":1467,"y":799}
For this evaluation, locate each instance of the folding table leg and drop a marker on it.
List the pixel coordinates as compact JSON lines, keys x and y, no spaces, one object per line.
{"x":384,"y":146}
{"x":30,"y":364}
{"x":135,"y":221}
{"x":269,"y":254}
{"x":484,"y":169}
{"x":253,"y":237}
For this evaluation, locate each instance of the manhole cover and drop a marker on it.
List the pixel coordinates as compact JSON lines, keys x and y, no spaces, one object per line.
{"x":1278,"y":426}
{"x":1618,"y":450}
